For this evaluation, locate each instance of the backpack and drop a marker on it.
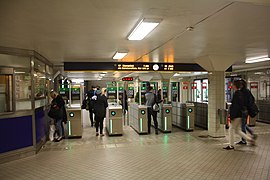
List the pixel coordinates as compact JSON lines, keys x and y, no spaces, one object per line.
{"x":252,"y":108}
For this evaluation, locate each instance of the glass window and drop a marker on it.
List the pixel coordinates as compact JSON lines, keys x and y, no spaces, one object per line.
{"x":22,"y":85}
{"x":205,"y":90}
{"x":39,"y":83}
{"x":39,"y":66}
{"x":6,"y":93}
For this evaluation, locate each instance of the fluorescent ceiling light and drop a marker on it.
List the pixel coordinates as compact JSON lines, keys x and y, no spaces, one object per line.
{"x":258,"y":59}
{"x":19,"y":72}
{"x":119,"y":55}
{"x":143,"y":28}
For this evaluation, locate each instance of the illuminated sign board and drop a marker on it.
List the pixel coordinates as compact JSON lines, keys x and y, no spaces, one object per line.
{"x":130,"y":66}
{"x":127,"y":79}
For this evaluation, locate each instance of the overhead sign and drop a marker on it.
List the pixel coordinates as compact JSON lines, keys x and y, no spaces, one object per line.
{"x":130,"y":66}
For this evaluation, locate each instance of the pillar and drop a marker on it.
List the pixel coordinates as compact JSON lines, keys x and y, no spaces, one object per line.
{"x":216,"y":100}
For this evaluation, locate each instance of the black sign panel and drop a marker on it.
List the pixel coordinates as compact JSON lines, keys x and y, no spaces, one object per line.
{"x":130,"y":66}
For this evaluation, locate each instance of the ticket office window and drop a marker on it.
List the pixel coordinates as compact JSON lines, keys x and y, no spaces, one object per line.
{"x":23,"y":89}
{"x":6,"y":96}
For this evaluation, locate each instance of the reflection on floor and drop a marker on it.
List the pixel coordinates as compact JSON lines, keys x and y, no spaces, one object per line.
{"x":178,"y":155}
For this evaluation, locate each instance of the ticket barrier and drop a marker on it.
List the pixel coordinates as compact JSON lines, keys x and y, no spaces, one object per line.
{"x":138,"y":118}
{"x":74,"y":122}
{"x":184,"y":115}
{"x":164,"y":118}
{"x":114,"y":120}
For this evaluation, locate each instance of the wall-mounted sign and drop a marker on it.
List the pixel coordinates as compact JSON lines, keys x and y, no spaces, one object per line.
{"x":254,"y":85}
{"x":127,"y":79}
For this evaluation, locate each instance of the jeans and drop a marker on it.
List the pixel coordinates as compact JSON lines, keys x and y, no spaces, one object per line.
{"x":150,"y":113}
{"x":99,"y":124}
{"x":235,"y":128}
{"x":59,"y":127}
{"x":91,"y":116}
{"x":244,"y":126}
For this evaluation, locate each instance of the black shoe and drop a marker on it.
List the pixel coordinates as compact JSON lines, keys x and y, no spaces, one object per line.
{"x":242,"y":143}
{"x":97,"y":134}
{"x":156,"y":132}
{"x":229,"y":147}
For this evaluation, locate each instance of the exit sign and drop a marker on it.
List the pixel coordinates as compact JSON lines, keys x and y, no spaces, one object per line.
{"x":127,"y":79}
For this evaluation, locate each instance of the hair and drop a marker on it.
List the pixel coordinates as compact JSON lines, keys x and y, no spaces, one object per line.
{"x":243,"y":83}
{"x":149,"y":88}
{"x":237,"y":84}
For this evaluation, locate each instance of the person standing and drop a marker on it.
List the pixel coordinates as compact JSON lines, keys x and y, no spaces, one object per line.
{"x":236,"y":115}
{"x":248,"y":99}
{"x":90,"y":94}
{"x":151,"y":99}
{"x":100,"y":104}
{"x":58,"y":113}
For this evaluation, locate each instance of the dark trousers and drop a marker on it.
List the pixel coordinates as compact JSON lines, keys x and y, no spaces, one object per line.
{"x":99,"y":124}
{"x":152,"y":113}
{"x":91,"y":114}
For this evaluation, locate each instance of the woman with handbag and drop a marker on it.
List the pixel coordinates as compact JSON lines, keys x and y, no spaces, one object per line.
{"x":58,"y":113}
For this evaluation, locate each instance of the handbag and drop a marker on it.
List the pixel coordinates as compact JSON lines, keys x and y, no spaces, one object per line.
{"x":55,"y":113}
{"x":155,"y":106}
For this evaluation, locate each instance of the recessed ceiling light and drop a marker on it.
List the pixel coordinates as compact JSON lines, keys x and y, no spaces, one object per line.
{"x":119,"y":55}
{"x":257,"y":59}
{"x":143,"y":28}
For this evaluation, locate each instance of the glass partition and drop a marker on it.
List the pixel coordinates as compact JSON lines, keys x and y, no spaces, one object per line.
{"x":6,"y":93}
{"x":39,"y":83}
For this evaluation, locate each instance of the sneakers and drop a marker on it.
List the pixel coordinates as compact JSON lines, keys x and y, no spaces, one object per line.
{"x":242,"y":143}
{"x":58,"y":139}
{"x":229,"y":148}
{"x":102,"y":135}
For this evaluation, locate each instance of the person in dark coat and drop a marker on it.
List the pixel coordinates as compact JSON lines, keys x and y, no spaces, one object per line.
{"x":100,"y":104}
{"x":90,"y":94}
{"x":59,"y":104}
{"x":236,"y":115}
{"x":248,"y":99}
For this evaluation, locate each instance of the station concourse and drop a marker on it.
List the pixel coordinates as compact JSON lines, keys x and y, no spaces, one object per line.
{"x":162,"y":77}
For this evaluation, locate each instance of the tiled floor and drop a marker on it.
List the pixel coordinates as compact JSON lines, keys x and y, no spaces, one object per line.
{"x":179,"y":155}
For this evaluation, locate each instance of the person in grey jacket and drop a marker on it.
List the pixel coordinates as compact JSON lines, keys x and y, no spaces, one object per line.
{"x":151,"y":99}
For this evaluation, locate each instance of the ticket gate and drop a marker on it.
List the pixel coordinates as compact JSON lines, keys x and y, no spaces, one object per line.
{"x":185,"y":116}
{"x":138,"y":118}
{"x":114,"y":120}
{"x":164,"y":118}
{"x":74,"y":122}
{"x":189,"y":117}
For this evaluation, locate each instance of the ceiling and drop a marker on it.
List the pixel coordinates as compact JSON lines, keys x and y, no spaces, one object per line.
{"x":93,"y":30}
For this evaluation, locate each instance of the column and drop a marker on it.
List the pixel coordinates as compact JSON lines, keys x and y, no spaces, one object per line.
{"x":216,"y":100}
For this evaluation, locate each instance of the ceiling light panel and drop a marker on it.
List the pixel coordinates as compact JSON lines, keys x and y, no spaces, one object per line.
{"x":143,"y":28}
{"x":119,"y":55}
{"x":258,"y":59}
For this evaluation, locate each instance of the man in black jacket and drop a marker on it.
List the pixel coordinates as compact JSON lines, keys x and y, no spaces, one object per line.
{"x":236,"y":115}
{"x":99,"y":107}
{"x":90,"y":94}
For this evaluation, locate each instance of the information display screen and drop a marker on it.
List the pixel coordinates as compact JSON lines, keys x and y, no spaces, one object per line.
{"x":131,"y":66}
